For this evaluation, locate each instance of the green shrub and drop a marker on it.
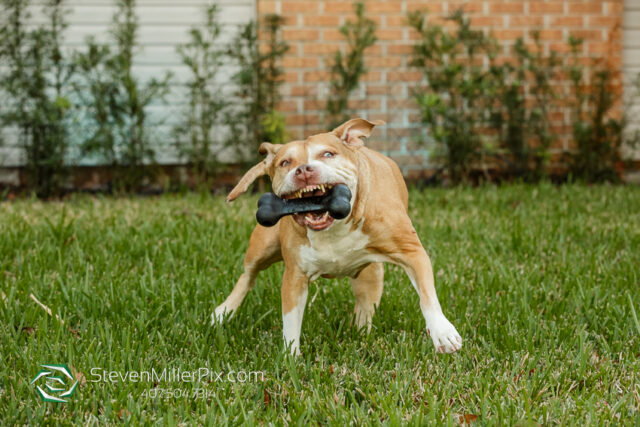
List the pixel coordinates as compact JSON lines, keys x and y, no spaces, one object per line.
{"x":197,"y":135}
{"x":598,"y":129}
{"x":253,"y":119}
{"x":115,"y":103}
{"x":35,"y":82}
{"x":524,"y":97}
{"x":454,"y":101}
{"x":347,"y":69}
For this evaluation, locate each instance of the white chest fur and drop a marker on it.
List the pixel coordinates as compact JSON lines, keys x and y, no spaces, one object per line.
{"x":338,"y":251}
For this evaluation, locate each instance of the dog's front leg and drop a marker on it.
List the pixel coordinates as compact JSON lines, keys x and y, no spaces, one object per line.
{"x":295,"y":286}
{"x":417,"y":265}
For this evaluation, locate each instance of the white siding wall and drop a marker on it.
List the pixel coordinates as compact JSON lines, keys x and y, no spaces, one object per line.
{"x":164,"y":24}
{"x":631,"y":57}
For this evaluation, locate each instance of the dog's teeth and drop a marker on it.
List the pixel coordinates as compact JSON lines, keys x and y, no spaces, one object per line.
{"x":322,"y":187}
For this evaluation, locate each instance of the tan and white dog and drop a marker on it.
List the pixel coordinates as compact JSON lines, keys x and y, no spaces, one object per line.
{"x":377,"y":230}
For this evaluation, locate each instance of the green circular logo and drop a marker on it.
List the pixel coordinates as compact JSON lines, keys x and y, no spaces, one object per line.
{"x":55,"y":383}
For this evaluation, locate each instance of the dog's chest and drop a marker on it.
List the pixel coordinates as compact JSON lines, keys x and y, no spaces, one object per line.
{"x":338,"y":251}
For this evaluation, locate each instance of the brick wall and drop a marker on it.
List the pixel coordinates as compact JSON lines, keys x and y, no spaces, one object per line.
{"x":311,"y":29}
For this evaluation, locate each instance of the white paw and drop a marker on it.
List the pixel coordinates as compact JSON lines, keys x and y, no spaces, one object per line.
{"x":220,"y":314}
{"x":444,"y":335}
{"x":294,"y":350}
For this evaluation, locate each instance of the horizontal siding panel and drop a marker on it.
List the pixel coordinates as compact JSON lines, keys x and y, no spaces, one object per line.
{"x":632,"y":38}
{"x":222,"y":3}
{"x":148,"y":35}
{"x":164,"y":25}
{"x":177,"y":15}
{"x":631,"y":5}
{"x":631,"y":57}
{"x":631,"y":19}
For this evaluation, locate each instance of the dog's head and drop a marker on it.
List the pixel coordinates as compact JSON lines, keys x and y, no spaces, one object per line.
{"x":311,"y":167}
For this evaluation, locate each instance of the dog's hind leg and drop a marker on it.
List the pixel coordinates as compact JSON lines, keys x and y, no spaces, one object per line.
{"x":367,"y":289}
{"x":264,"y":250}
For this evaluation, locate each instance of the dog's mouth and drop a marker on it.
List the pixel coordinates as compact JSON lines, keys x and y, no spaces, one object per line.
{"x":319,"y":220}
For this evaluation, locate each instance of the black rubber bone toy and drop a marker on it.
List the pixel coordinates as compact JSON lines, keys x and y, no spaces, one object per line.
{"x":271,"y":207}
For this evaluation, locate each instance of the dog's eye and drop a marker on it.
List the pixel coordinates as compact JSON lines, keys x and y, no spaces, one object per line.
{"x":328,"y":154}
{"x":284,"y":163}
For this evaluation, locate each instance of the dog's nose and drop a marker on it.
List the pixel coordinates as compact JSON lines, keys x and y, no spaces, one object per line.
{"x":305,"y":168}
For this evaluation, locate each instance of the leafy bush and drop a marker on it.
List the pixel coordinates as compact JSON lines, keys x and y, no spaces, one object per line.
{"x":34,"y":81}
{"x":115,"y":103}
{"x":347,"y":70}
{"x":455,"y":100}
{"x":598,"y":129}
{"x":254,"y":118}
{"x":524,"y":97}
{"x":194,"y":136}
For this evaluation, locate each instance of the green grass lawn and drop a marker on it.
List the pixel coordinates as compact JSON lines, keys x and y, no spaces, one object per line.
{"x":541,"y":283}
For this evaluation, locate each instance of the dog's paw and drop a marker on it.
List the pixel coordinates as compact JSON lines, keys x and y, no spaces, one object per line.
{"x":444,"y":335}
{"x":220,"y":314}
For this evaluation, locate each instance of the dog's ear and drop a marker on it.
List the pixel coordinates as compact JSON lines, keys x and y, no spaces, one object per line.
{"x":354,"y":130}
{"x":257,"y":171}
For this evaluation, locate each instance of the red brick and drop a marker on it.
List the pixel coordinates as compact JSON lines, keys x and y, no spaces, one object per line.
{"x":508,"y":34}
{"x":399,"y":49}
{"x":375,"y":50}
{"x":337,"y":6}
{"x":395,"y":35}
{"x":299,"y":6}
{"x":429,"y":6}
{"x":588,"y":34}
{"x":556,"y":116}
{"x":379,"y":89}
{"x":506,"y":7}
{"x":538,"y":6}
{"x":551,"y":35}
{"x":315,"y":76}
{"x":372,"y":76}
{"x":301,"y":90}
{"x":560,"y":47}
{"x":296,"y":34}
{"x":383,"y":62}
{"x":396,"y":21}
{"x":383,"y":6}
{"x":604,"y":21}
{"x":401,"y":103}
{"x":404,"y":76}
{"x":567,"y":21}
{"x":468,"y":7}
{"x":290,"y":76}
{"x":287,"y":106}
{"x":487,"y":21}
{"x":321,"y":20}
{"x":590,"y":7}
{"x":525,"y":21}
{"x":266,"y":6}
{"x":614,"y":7}
{"x":299,"y":62}
{"x":332,"y":34}
{"x":313,"y":105}
{"x":302,"y":119}
{"x":598,"y":47}
{"x":364,"y":104}
{"x":320,"y":48}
